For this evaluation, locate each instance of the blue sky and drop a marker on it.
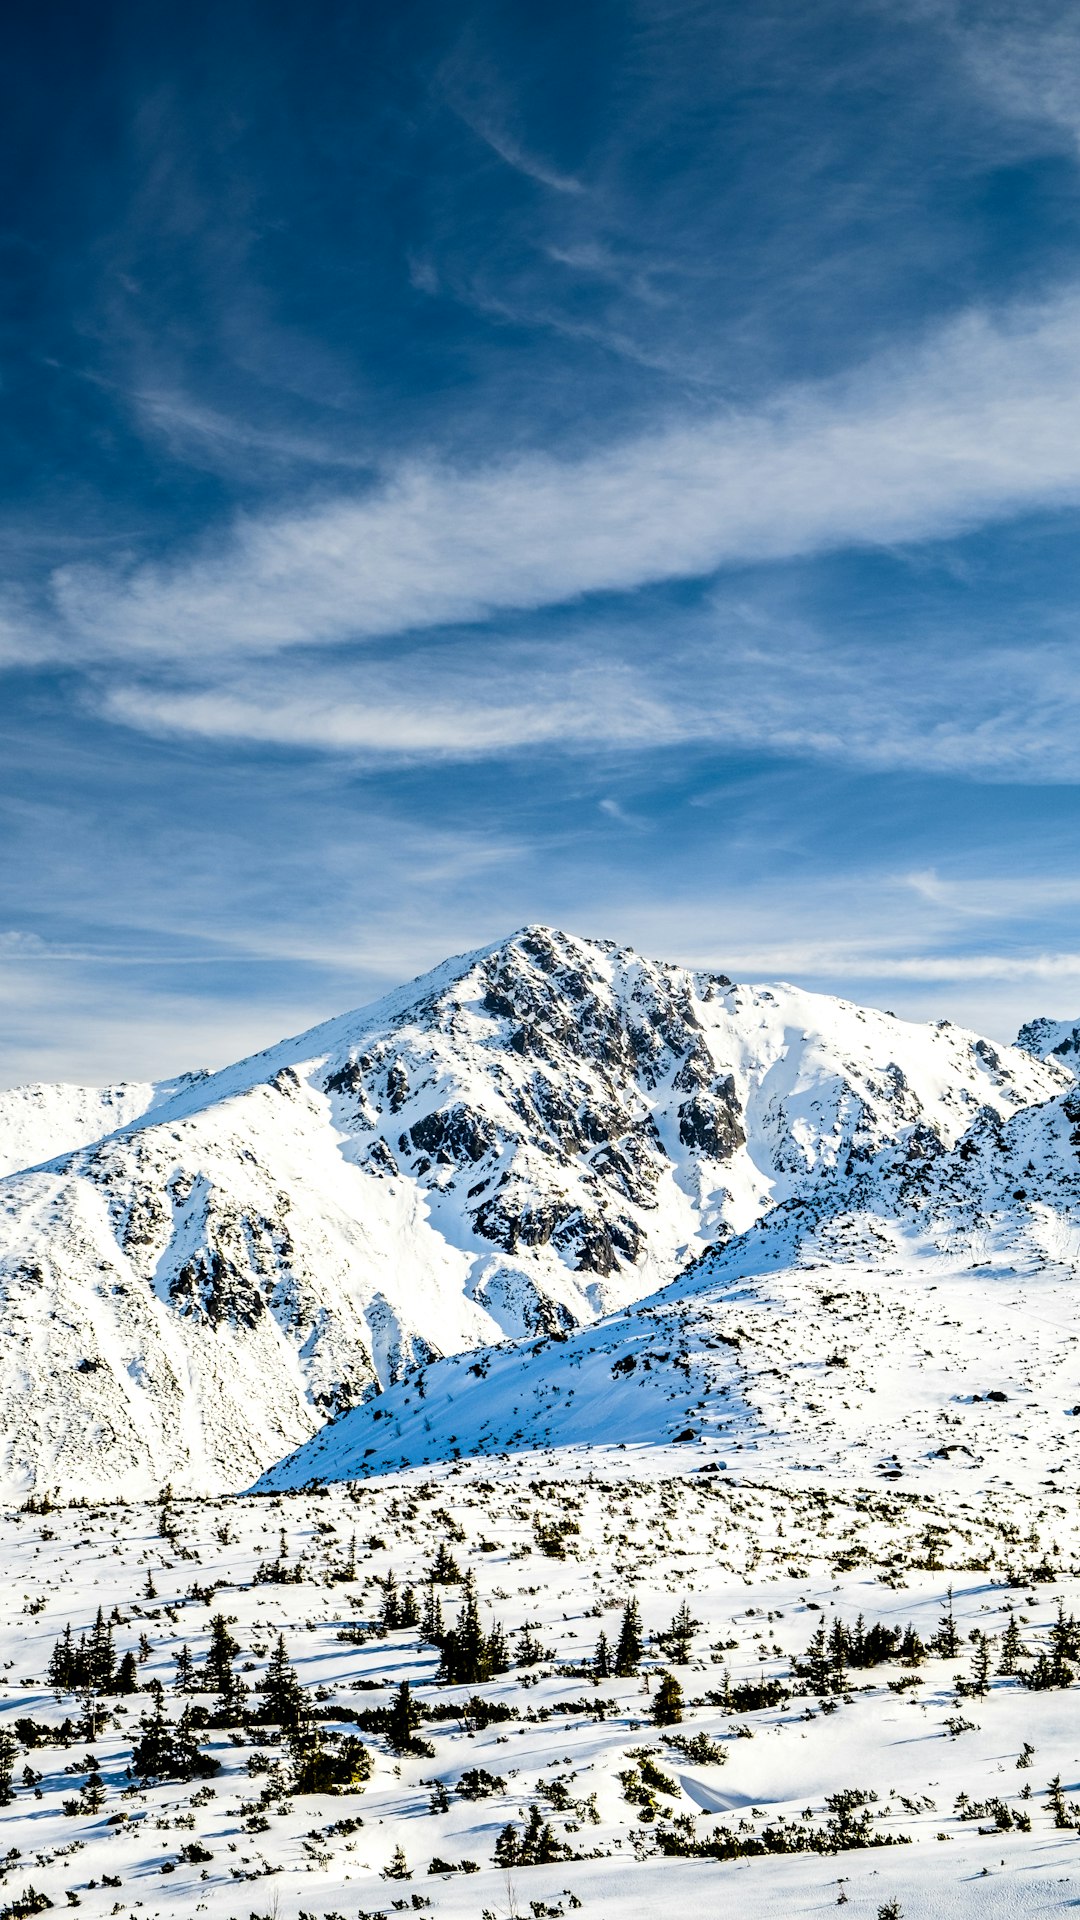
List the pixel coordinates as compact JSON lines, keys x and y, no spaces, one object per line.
{"x":616,"y":465}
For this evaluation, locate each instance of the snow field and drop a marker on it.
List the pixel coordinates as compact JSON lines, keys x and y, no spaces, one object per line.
{"x":759,"y":1566}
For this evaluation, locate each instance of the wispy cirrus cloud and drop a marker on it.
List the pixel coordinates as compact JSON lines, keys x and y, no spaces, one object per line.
{"x":979,"y":422}
{"x":722,"y":679}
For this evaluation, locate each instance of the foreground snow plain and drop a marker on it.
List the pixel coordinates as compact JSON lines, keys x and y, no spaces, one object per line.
{"x":558,"y":1543}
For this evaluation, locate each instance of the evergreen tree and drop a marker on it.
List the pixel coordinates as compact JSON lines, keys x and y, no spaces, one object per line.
{"x":93,"y":1793}
{"x":61,"y":1671}
{"x":668,"y":1702}
{"x":399,"y":1866}
{"x":229,"y":1710}
{"x":319,"y":1766}
{"x":282,"y":1694}
{"x":528,"y":1650}
{"x":444,"y":1570}
{"x":390,"y":1612}
{"x":837,"y":1657}
{"x":218,"y":1672}
{"x":100,"y":1657}
{"x":403,"y":1720}
{"x":127,"y":1675}
{"x":536,"y":1847}
{"x":185,"y":1670}
{"x":817,"y":1666}
{"x":170,"y":1752}
{"x":912,"y":1650}
{"x":410,"y":1610}
{"x":9,"y":1753}
{"x":602,"y":1658}
{"x":468,"y":1653}
{"x":1012,"y":1647}
{"x":497,"y":1653}
{"x":1064,"y":1646}
{"x":947,"y":1639}
{"x":1057,"y":1803}
{"x":432,"y":1630}
{"x":979,"y":1684}
{"x":677,"y":1641}
{"x":629,"y":1648}
{"x":508,"y":1847}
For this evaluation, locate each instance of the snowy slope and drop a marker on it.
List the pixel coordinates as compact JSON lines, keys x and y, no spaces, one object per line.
{"x":521,"y":1140}
{"x":922,"y":1328}
{"x":39,"y":1122}
{"x":758,"y":1566}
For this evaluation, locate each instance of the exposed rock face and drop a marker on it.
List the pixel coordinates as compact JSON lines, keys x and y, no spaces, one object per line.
{"x":526,"y":1137}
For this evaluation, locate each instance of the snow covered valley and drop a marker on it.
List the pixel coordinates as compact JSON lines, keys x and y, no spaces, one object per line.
{"x":805,"y":1717}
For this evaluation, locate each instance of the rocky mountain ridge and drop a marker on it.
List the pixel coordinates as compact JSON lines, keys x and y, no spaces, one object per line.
{"x":526,"y":1138}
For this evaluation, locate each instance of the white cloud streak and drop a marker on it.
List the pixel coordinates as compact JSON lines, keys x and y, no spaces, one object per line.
{"x":720,"y":678}
{"x":978,"y":423}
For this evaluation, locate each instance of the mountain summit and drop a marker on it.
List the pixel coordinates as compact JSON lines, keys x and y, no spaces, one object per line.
{"x":520,"y":1141}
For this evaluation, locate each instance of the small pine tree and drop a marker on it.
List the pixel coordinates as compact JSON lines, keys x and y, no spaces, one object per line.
{"x":947,"y":1638}
{"x":629,"y":1647}
{"x":468,"y":1653}
{"x":281,"y":1692}
{"x":319,"y":1766}
{"x":410,"y":1610}
{"x":508,"y":1847}
{"x":218,"y":1672}
{"x":979,"y":1684}
{"x":817,"y":1666}
{"x":399,"y":1866}
{"x":668,"y":1702}
{"x":912,"y":1649}
{"x":185,"y":1671}
{"x":169,"y":1752}
{"x":61,"y":1670}
{"x":390,"y":1611}
{"x":9,"y":1753}
{"x":127,"y":1675}
{"x":497,"y":1653}
{"x":403,"y":1720}
{"x":100,"y":1657}
{"x":602,"y":1658}
{"x":528,"y":1650}
{"x":677,"y":1642}
{"x":432,"y":1628}
{"x":444,"y":1570}
{"x":1056,"y":1800}
{"x":93,"y":1793}
{"x":837,"y":1657}
{"x":1013,"y":1649}
{"x":1064,"y":1646}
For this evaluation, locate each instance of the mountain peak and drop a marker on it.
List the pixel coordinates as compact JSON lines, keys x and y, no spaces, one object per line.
{"x":524,"y":1138}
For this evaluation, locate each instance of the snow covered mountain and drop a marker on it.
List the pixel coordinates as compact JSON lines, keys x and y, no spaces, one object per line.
{"x":524,"y":1139}
{"x":923,"y":1326}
